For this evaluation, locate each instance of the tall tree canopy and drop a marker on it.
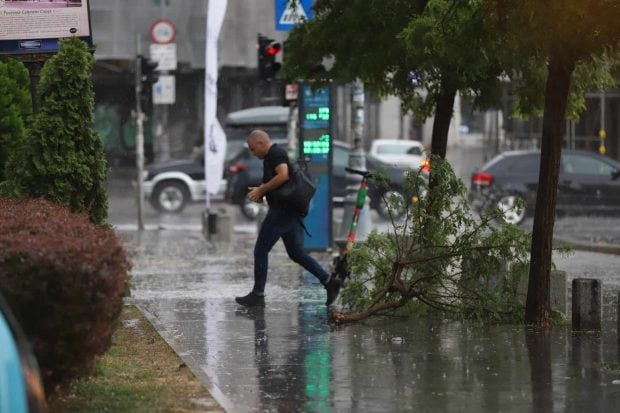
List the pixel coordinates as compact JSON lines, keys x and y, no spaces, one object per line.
{"x":558,"y":49}
{"x":443,"y":45}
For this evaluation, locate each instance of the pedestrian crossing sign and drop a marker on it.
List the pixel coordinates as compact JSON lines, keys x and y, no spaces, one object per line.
{"x":289,"y":13}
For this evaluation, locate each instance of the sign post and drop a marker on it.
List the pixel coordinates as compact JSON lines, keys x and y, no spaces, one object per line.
{"x":316,"y":148}
{"x":163,"y":50}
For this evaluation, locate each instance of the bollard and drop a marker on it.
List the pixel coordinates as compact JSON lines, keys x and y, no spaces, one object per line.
{"x":224,"y":226}
{"x":587,"y":304}
{"x":559,"y":291}
{"x":208,"y":224}
{"x":216,"y":227}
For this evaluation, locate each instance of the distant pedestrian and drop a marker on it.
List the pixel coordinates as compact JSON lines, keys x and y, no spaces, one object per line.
{"x":279,"y":223}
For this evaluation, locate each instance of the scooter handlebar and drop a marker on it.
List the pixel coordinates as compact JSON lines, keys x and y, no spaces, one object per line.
{"x":357,"y":172}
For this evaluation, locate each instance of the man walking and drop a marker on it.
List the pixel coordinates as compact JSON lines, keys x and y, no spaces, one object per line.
{"x":280,"y":222}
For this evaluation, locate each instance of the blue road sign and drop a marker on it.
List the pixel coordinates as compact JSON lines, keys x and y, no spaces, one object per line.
{"x":291,"y":12}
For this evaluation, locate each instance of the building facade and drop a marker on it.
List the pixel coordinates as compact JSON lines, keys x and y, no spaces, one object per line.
{"x":173,"y":130}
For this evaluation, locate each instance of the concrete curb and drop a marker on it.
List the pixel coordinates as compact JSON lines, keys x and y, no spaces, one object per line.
{"x":598,"y":247}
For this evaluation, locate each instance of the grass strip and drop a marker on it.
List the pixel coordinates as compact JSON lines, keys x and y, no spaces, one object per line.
{"x":139,"y":373}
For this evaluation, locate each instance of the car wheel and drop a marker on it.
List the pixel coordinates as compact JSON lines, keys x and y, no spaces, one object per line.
{"x":170,"y":197}
{"x":391,"y":202}
{"x":249,"y":208}
{"x":513,"y":208}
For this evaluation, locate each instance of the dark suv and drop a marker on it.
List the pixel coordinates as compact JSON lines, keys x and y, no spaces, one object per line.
{"x":245,"y":170}
{"x":588,"y":183}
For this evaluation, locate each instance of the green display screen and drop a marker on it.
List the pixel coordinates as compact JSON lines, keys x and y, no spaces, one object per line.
{"x":318,"y":146}
{"x":321,"y":114}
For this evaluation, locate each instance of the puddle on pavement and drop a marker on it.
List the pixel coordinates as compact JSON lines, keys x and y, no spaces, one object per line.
{"x":287,"y":357}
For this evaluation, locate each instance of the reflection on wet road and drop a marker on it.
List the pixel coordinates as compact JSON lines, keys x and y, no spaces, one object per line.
{"x":288,"y":358}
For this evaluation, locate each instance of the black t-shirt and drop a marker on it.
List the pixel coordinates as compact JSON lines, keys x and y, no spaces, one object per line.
{"x":274,"y":157}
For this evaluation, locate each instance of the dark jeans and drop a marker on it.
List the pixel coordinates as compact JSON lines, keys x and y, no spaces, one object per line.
{"x":286,"y":225}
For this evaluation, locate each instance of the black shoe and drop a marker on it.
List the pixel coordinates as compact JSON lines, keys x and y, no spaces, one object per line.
{"x":251,"y":300}
{"x":333,"y":288}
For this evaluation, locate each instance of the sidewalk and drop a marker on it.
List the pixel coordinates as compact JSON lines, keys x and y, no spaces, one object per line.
{"x":287,"y":357}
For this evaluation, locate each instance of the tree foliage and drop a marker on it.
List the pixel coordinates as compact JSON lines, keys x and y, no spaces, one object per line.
{"x":557,"y":50}
{"x":442,"y":46}
{"x":63,"y":158}
{"x":453,"y":261}
{"x":15,"y":107}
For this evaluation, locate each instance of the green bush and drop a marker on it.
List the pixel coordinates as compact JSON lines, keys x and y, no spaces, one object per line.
{"x":65,"y":279}
{"x":15,"y":106}
{"x":63,"y":159}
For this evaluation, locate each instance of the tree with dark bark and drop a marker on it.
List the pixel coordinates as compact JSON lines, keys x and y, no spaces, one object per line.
{"x":567,"y":47}
{"x":421,"y":51}
{"x":424,"y":52}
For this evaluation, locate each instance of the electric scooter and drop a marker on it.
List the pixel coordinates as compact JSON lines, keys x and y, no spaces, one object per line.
{"x":340,"y":265}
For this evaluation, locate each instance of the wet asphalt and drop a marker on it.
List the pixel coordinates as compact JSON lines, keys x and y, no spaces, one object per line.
{"x":288,"y":357}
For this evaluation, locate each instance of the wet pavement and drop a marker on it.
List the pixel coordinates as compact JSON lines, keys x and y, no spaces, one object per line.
{"x":289,"y":358}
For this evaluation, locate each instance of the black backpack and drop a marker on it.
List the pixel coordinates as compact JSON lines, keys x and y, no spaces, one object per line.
{"x":296,"y":193}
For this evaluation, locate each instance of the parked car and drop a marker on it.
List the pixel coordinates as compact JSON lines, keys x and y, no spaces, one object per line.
{"x":21,"y":389}
{"x":399,"y":152}
{"x":246,"y":170}
{"x":588,"y":183}
{"x":172,"y":185}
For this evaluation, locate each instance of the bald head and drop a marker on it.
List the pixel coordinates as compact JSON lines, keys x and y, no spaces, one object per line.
{"x":259,"y":143}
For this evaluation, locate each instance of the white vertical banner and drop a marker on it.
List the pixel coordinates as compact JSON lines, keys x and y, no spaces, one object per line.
{"x":214,"y":139}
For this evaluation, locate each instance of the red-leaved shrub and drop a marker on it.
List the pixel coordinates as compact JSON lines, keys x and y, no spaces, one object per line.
{"x":65,"y":278}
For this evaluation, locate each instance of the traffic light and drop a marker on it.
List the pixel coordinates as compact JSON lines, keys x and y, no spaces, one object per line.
{"x":148,"y":78}
{"x":267,"y":51}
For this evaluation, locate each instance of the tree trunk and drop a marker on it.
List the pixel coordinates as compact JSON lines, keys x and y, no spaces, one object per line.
{"x":541,"y":374}
{"x":439,"y":140}
{"x":443,"y":116}
{"x":556,"y":95}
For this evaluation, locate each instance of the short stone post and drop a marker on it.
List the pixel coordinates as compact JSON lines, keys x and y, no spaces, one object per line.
{"x":587,"y":304}
{"x":216,"y":227}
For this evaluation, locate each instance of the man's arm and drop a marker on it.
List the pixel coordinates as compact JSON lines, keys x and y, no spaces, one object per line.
{"x":257,"y":193}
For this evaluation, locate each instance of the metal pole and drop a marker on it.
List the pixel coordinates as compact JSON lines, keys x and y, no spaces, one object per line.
{"x":161,"y":111}
{"x":291,"y":128}
{"x":139,"y":134}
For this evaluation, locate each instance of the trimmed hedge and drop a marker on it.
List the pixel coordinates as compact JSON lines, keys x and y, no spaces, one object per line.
{"x":65,"y":279}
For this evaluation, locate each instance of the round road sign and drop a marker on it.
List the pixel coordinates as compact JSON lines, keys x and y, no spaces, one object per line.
{"x":163,"y":31}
